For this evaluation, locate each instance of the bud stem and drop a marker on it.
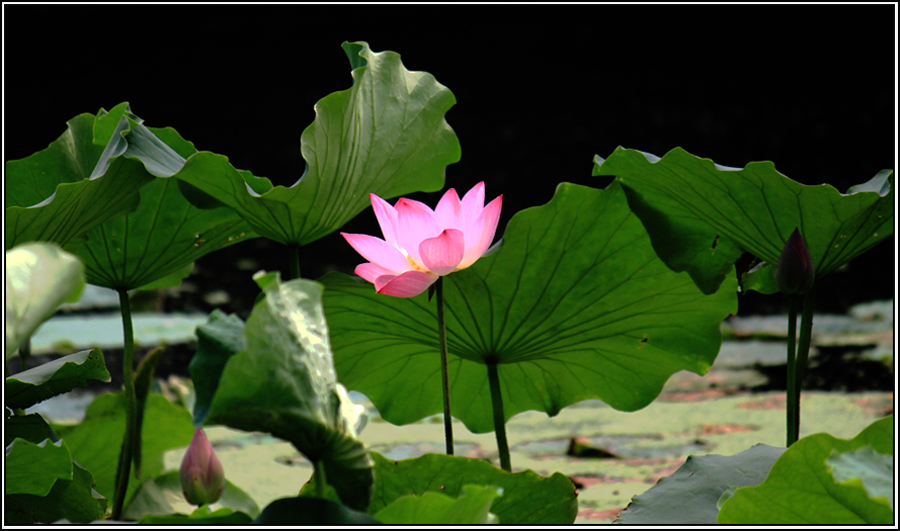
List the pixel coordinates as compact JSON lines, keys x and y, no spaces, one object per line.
{"x":797,"y":367}
{"x":123,"y":471}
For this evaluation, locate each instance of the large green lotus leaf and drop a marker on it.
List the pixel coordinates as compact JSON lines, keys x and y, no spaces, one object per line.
{"x":691,"y":494}
{"x":284,"y":383}
{"x":702,"y":216}
{"x":95,"y":442}
{"x":34,"y":468}
{"x":435,"y":508}
{"x":56,"y":377}
{"x":801,"y":490}
{"x":528,"y":498}
{"x":220,"y":338}
{"x":39,"y":278}
{"x":574,"y":305}
{"x":386,"y":135}
{"x":88,"y":175}
{"x":297,"y":512}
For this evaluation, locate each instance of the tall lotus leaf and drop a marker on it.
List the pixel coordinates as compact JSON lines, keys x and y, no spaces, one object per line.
{"x":574,"y":305}
{"x":283,"y":383}
{"x":702,"y":216}
{"x":156,"y":245}
{"x":39,"y":278}
{"x":386,"y":135}
{"x":79,"y":181}
{"x":800,"y":489}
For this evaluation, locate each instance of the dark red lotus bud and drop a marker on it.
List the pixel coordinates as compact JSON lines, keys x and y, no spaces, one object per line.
{"x":795,"y":272}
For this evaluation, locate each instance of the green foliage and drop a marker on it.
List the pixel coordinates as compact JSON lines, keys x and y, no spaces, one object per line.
{"x":386,"y":135}
{"x":56,"y":377}
{"x":155,"y":245}
{"x":800,"y":489}
{"x":95,"y":442}
{"x":691,"y":494}
{"x":161,"y":495}
{"x":702,"y":216}
{"x":574,"y":305}
{"x":867,"y":468}
{"x":528,"y":498}
{"x":39,"y":278}
{"x":313,"y":512}
{"x":434,"y":508}
{"x":87,"y":176}
{"x":43,"y":482}
{"x":283,"y":382}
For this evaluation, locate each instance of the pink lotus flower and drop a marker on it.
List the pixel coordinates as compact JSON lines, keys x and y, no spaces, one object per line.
{"x":421,"y":244}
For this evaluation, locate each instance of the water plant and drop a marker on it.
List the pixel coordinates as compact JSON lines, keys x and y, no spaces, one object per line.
{"x":601,"y":293}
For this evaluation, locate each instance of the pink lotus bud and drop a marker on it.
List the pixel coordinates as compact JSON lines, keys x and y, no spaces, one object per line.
{"x":202,"y":476}
{"x":795,"y":272}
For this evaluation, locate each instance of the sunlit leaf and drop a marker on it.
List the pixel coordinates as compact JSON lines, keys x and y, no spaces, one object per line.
{"x":800,"y":489}
{"x":574,"y":305}
{"x":866,"y":467}
{"x":701,"y":216}
{"x":39,"y":278}
{"x":283,"y":383}
{"x":386,"y":135}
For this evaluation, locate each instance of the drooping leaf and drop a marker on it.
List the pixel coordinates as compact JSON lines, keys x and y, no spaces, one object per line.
{"x":96,"y":441}
{"x":702,"y":216}
{"x":162,"y":495}
{"x":434,"y":508}
{"x":155,"y":245}
{"x":690,"y":494}
{"x":39,"y":278}
{"x":866,"y":467}
{"x":800,"y":490}
{"x":56,"y":377}
{"x":34,"y":468}
{"x":574,"y":305}
{"x":311,"y":512}
{"x":528,"y":498}
{"x":79,"y":181}
{"x":386,"y":135}
{"x":283,"y":383}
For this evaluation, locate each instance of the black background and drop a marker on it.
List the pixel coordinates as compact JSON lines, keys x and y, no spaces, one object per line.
{"x":539,"y":89}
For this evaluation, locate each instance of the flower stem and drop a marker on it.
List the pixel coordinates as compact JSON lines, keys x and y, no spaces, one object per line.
{"x":445,"y":379}
{"x":499,"y":420}
{"x":793,"y":416}
{"x":127,"y":454}
{"x":319,"y":468}
{"x":294,"y":259}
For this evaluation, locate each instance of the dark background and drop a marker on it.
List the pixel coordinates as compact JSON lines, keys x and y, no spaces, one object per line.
{"x":539,"y":89}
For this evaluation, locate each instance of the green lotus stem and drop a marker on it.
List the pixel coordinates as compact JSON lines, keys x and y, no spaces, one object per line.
{"x":499,"y":420}
{"x":319,"y":468}
{"x":127,"y":454}
{"x":806,"y":321}
{"x":445,"y":379}
{"x":793,"y":415}
{"x":294,"y":259}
